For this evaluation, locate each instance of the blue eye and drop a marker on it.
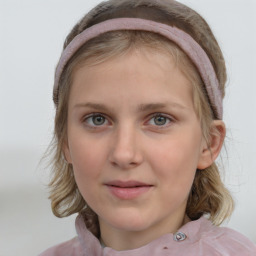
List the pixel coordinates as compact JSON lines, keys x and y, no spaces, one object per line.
{"x":95,"y":120}
{"x":160,"y":120}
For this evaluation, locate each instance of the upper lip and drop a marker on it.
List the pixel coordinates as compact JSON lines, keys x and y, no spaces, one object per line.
{"x":127,"y":184}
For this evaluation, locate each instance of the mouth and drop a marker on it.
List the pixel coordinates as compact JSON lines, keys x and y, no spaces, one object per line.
{"x":128,"y":190}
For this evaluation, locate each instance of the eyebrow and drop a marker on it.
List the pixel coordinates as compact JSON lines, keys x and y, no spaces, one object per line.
{"x":140,"y":108}
{"x":153,"y":106}
{"x":96,"y":106}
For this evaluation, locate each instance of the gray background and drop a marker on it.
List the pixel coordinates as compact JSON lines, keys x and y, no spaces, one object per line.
{"x":31,"y":37}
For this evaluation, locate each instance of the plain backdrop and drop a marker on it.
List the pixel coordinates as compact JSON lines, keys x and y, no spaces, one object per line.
{"x":31,"y":36}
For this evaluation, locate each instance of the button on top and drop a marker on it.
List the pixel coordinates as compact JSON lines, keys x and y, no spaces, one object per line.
{"x":179,"y":236}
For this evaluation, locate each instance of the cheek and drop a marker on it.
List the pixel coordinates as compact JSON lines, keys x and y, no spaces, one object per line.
{"x":176,"y":164}
{"x":87,"y":167}
{"x":84,"y":150}
{"x":175,"y":178}
{"x":87,"y":160}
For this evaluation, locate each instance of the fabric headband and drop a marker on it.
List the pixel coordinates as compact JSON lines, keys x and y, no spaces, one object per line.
{"x":181,"y":38}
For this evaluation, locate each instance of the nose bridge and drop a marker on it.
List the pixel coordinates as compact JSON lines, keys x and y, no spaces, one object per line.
{"x":125,"y":150}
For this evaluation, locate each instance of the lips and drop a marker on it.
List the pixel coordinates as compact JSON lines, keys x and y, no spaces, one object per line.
{"x":128,"y":190}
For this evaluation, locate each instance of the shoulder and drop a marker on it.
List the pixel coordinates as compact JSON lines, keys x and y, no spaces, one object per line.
{"x":226,"y":241}
{"x":68,"y":248}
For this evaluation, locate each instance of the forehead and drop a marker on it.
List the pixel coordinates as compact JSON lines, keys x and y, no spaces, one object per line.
{"x":133,"y":78}
{"x":114,"y":46}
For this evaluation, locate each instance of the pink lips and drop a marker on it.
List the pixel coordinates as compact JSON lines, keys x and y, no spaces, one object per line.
{"x":128,"y":189}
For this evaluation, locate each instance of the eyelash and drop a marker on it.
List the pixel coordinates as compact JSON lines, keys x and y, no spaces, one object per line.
{"x":168,"y":120}
{"x":90,"y":117}
{"x":94,"y":115}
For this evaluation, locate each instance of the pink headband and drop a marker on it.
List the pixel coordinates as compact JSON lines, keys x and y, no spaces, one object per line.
{"x":181,"y":38}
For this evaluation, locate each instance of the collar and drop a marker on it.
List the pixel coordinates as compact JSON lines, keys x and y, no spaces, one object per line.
{"x":186,"y":235}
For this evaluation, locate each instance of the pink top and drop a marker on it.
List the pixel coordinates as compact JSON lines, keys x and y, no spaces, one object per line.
{"x":197,"y":238}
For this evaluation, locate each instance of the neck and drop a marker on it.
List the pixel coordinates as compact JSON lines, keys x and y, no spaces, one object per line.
{"x":121,"y":239}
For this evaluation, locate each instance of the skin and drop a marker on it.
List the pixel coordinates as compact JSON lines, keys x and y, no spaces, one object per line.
{"x":114,"y":134}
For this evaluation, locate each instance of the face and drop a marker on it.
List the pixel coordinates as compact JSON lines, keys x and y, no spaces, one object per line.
{"x":134,"y":141}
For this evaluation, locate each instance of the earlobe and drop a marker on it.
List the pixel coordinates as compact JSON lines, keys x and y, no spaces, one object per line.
{"x":211,"y":150}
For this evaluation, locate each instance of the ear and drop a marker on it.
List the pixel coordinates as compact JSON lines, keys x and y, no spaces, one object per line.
{"x":66,"y":152}
{"x":211,"y":150}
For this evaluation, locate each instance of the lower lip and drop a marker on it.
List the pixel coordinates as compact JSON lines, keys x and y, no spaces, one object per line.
{"x":128,"y":193}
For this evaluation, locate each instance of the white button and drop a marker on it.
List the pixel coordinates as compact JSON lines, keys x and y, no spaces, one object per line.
{"x":179,"y":236}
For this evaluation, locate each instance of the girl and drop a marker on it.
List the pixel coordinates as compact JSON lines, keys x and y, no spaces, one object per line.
{"x":138,"y":93}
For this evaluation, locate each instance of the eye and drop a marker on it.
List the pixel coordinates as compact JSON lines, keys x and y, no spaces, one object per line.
{"x":95,"y":120}
{"x":160,"y":120}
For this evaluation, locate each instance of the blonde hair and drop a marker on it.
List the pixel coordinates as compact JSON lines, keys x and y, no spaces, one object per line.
{"x":208,"y":194}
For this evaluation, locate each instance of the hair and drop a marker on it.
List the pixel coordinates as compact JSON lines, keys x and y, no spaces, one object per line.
{"x":208,"y":194}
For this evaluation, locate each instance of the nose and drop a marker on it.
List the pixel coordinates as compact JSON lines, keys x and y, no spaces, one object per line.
{"x":125,"y":152}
